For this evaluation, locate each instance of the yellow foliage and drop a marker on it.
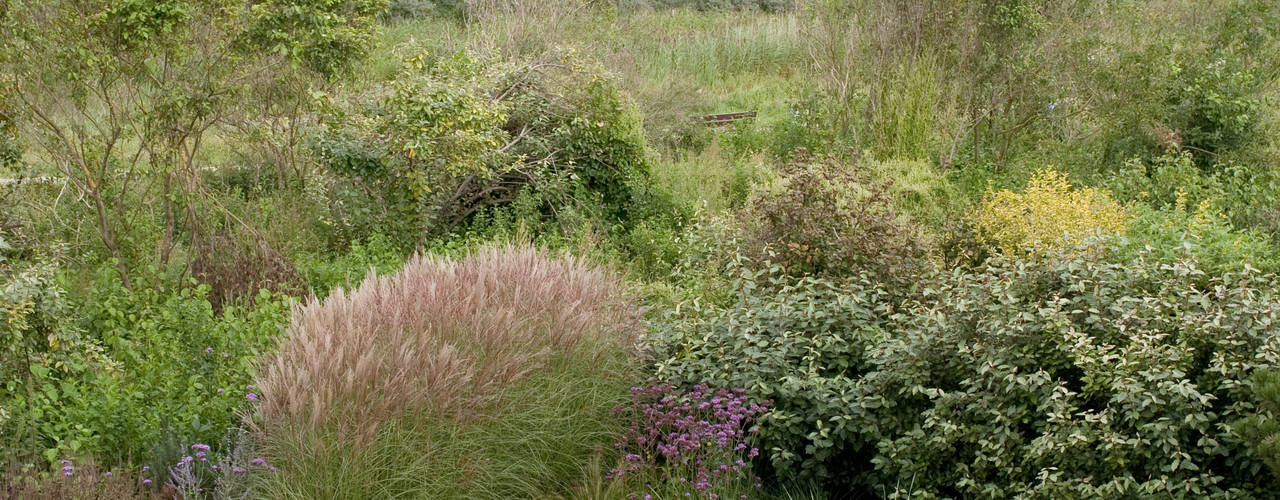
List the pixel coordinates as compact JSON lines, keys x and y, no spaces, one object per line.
{"x":1048,"y":214}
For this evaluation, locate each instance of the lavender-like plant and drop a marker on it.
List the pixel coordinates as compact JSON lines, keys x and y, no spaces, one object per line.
{"x":694,"y":444}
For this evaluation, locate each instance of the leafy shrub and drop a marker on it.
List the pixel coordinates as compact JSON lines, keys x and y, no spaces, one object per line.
{"x":1066,"y":376}
{"x":1199,"y":87}
{"x":1048,"y":214}
{"x":325,"y":273}
{"x":799,"y":343}
{"x":175,"y":368}
{"x":827,"y":218}
{"x":1072,"y":378}
{"x":1200,"y":231}
{"x":42,"y":347}
{"x":453,"y":136}
{"x":1165,"y":181}
{"x":501,"y":353}
{"x":325,"y":36}
{"x":1261,"y":429}
{"x":1246,"y":196}
{"x":693,"y":443}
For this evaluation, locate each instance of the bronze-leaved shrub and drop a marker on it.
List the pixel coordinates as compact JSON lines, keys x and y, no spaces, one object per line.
{"x":829,"y":218}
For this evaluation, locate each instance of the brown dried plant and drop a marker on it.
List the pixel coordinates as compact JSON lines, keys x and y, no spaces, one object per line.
{"x":438,"y":338}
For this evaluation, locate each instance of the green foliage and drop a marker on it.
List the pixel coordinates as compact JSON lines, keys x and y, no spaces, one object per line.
{"x":324,"y":273}
{"x":44,"y":353}
{"x":454,"y":135}
{"x":1244,"y":196}
{"x":325,"y":36}
{"x":1199,"y":87}
{"x":410,"y":9}
{"x":1261,"y":429}
{"x":1069,"y":376}
{"x":1202,"y":232}
{"x":135,"y":367}
{"x":1074,"y":378}
{"x":712,"y":5}
{"x":799,"y":343}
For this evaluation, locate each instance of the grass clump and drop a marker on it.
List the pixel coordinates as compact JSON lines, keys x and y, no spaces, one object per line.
{"x":490,"y":375}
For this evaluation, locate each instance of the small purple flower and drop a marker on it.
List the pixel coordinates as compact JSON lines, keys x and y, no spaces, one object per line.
{"x":208,"y":350}
{"x":258,"y":461}
{"x":219,"y":390}
{"x":107,"y":474}
{"x":237,"y":470}
{"x":146,"y":482}
{"x":251,"y":396}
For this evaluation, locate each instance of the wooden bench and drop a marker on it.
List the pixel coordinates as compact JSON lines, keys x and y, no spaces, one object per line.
{"x":722,"y":119}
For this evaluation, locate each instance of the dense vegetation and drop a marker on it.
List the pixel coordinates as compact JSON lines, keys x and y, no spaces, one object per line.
{"x":486,"y":249}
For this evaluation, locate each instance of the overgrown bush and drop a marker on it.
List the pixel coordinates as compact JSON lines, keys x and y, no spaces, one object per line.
{"x":830,"y":218}
{"x":162,"y":363}
{"x":505,"y":353}
{"x":1070,"y":375}
{"x":1200,"y":231}
{"x":1048,"y":214}
{"x":454,"y":135}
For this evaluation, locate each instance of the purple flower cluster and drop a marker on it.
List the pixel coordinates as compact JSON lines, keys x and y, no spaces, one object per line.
{"x":697,"y":441}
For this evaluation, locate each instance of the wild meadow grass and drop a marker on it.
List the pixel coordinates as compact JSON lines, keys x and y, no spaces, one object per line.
{"x":488,"y":376}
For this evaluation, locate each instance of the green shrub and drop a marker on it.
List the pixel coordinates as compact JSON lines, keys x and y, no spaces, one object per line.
{"x":44,"y":353}
{"x":324,"y":273}
{"x":1202,"y":232}
{"x":797,"y":342}
{"x":141,"y":365}
{"x":453,"y":135}
{"x":1261,"y":429}
{"x":1068,"y":376}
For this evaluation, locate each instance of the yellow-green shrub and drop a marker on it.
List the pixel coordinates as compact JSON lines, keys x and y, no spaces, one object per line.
{"x":1048,"y":214}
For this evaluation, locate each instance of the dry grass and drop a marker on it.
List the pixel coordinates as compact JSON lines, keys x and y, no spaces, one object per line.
{"x":439,"y":337}
{"x":87,"y":481}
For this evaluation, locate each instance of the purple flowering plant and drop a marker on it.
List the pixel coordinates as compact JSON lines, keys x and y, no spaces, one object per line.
{"x":203,"y":472}
{"x":689,"y":444}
